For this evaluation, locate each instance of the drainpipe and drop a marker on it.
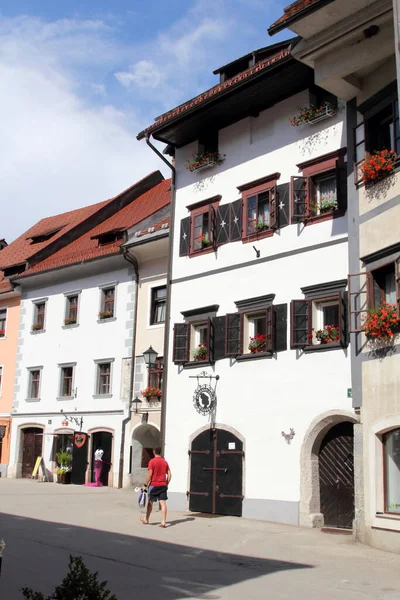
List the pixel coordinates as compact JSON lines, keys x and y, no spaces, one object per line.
{"x":128,"y":418}
{"x":169,"y":275}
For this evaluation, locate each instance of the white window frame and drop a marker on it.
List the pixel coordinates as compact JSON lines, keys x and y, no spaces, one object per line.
{"x":102,"y":288}
{"x":68,"y":295}
{"x":195,"y":336}
{"x":29,"y":387}
{"x":103,"y":361}
{"x":35,"y":303}
{"x":317,"y":316}
{"x":6,"y":325}
{"x":249,"y":329}
{"x":62,"y":366}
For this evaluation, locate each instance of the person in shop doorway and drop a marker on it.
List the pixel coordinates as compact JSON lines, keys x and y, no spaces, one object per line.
{"x":159,"y":476}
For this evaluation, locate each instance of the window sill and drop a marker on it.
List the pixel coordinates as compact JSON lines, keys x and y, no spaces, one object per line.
{"x":323,"y":347}
{"x":107,"y":320}
{"x":156,"y":325}
{"x":207,"y":250}
{"x":259,"y":235}
{"x":3,"y":337}
{"x":255,"y":356}
{"x":327,"y":216}
{"x":388,"y":516}
{"x":37,"y":331}
{"x":97,"y":396}
{"x":70,"y":326}
{"x":61,"y":398}
{"x":196,"y":364}
{"x":32,"y":399}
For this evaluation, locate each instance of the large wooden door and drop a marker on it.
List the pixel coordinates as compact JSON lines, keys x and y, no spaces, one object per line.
{"x":32,"y":444}
{"x":79,"y":457}
{"x":336,"y":476}
{"x":216,"y":473}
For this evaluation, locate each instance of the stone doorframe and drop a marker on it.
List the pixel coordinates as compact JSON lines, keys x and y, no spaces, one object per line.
{"x":310,"y":509}
{"x":90,"y":432}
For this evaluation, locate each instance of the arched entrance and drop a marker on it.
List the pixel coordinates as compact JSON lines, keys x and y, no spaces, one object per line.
{"x":32,"y":446}
{"x":329,"y":441}
{"x":144,"y":438}
{"x":336,"y":476}
{"x":216,"y":473}
{"x":102,"y":440}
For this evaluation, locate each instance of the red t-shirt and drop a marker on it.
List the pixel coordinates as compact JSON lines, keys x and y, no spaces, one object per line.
{"x":160,"y":468}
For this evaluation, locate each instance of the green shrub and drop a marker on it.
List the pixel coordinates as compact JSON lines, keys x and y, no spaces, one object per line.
{"x":64,"y":459}
{"x":79,"y":584}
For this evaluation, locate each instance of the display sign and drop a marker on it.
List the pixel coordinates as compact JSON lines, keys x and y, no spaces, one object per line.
{"x":36,"y":467}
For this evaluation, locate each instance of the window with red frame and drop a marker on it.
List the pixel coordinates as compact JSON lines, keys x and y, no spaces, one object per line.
{"x":72,"y":308}
{"x":34,"y":383}
{"x":67,"y":374}
{"x":40,"y":310}
{"x":321,"y":191}
{"x":259,"y":206}
{"x":108,"y":300}
{"x":104,"y":379}
{"x":155,"y":374}
{"x":202,"y":228}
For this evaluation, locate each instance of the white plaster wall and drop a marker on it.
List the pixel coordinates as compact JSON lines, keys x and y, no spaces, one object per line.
{"x":90,"y":341}
{"x":260,"y":398}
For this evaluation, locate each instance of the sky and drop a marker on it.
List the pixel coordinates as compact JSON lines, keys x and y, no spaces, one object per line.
{"x":79,"y":80}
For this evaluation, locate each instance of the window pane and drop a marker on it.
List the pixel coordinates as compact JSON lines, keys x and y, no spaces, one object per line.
{"x":390,"y":288}
{"x":326,"y":194}
{"x":331,"y":315}
{"x":160,"y":312}
{"x":260,"y":325}
{"x":67,"y":381}
{"x":104,"y":378}
{"x":251,"y":214}
{"x":392,"y":471}
{"x":198,"y":232}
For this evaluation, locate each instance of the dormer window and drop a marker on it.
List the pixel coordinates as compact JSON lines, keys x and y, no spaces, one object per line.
{"x":110,"y":237}
{"x":14,"y":270}
{"x":43,"y":237}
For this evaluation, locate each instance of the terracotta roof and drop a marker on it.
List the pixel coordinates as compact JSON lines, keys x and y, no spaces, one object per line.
{"x":214,"y":91}
{"x":161,"y":225}
{"x":87,"y":246}
{"x":22,"y":248}
{"x":5,"y":285}
{"x":295,"y":11}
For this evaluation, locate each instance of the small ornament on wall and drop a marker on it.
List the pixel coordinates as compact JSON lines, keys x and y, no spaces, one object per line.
{"x":288,"y":436}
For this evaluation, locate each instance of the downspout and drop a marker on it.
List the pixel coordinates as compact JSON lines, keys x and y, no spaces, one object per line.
{"x":128,"y":418}
{"x":169,"y":275}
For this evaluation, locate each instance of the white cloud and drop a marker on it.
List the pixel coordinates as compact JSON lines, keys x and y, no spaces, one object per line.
{"x":58,"y":153}
{"x":144,"y":74}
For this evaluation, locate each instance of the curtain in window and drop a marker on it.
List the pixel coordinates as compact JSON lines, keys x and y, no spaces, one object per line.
{"x":327,"y":191}
{"x":392,"y":471}
{"x":390,"y":288}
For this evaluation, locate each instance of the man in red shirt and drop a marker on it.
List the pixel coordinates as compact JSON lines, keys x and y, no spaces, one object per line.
{"x":159,"y":475}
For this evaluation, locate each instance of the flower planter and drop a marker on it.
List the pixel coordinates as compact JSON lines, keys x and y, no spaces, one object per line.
{"x":378,"y":166}
{"x":153,"y":398}
{"x":326,"y":113}
{"x":309,"y":115}
{"x":65,"y":478}
{"x":2,"y":333}
{"x":202,"y":161}
{"x":381,"y":323}
{"x":204,"y":167}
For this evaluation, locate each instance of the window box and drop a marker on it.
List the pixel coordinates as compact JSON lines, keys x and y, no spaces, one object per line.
{"x":309,"y":115}
{"x":2,"y":333}
{"x":204,"y":160}
{"x":377,"y":166}
{"x":69,"y":321}
{"x":151,"y":394}
{"x":106,"y":314}
{"x":381,"y":323}
{"x":37,"y":327}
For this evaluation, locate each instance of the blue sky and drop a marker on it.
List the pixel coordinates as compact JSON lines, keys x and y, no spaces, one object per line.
{"x":80,"y":79}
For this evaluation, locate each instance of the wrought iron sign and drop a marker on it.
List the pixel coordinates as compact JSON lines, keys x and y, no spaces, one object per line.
{"x":77,"y":420}
{"x":204,"y":397}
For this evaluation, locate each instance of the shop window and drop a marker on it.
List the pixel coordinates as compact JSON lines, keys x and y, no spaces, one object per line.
{"x":391,"y":442}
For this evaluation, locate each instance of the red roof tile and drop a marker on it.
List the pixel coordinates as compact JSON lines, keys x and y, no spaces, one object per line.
{"x":5,"y":285}
{"x":293,"y":10}
{"x":214,"y":91}
{"x":86,"y":247}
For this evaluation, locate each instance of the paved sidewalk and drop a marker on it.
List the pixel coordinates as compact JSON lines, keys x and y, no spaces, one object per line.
{"x":196,"y":557}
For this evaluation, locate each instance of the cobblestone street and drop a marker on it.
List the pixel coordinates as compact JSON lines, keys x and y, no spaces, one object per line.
{"x":195,"y":557}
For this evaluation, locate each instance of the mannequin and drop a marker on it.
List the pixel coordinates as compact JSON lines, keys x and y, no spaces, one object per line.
{"x":98,"y":466}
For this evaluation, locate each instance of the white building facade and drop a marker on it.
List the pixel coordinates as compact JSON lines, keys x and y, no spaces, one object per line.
{"x":259,"y":260}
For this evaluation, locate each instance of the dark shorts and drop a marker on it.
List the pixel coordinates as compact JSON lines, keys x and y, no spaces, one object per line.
{"x":158,"y":492}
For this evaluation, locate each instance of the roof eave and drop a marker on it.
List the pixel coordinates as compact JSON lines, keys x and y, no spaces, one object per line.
{"x":155,"y":132}
{"x":308,"y":10}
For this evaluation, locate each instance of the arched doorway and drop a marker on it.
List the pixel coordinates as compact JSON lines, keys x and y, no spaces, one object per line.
{"x":336,"y":476}
{"x":102,"y":440}
{"x":32,"y":446}
{"x":216,"y":473}
{"x":144,"y":438}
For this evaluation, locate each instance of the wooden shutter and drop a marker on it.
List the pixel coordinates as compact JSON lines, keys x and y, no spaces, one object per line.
{"x":212,"y":225}
{"x":342,"y":303}
{"x":300,"y":323}
{"x":270,"y":329}
{"x":397,"y":272}
{"x":219,"y":325}
{"x":299,"y":191}
{"x":181,"y":343}
{"x":222,"y":224}
{"x":283,"y":204}
{"x":210,"y":339}
{"x":359,"y":151}
{"x":273,"y":217}
{"x":341,"y":185}
{"x":234,"y":334}
{"x":184,"y":242}
{"x":235,"y":221}
{"x":357,"y":300}
{"x":280,"y":327}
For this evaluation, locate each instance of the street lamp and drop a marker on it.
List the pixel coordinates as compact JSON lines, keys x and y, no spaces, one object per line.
{"x":150,"y":357}
{"x":137,"y":402}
